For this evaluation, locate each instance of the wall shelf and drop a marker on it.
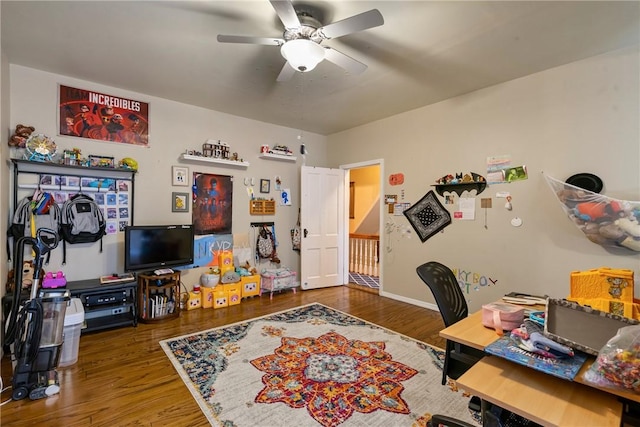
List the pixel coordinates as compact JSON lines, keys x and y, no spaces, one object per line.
{"x":26,"y":167}
{"x":271,"y":156}
{"x":42,"y":168}
{"x":460,"y":188}
{"x":262,"y":207}
{"x":202,"y":159}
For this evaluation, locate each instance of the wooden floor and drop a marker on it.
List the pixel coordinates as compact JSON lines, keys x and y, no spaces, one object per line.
{"x":123,"y":377}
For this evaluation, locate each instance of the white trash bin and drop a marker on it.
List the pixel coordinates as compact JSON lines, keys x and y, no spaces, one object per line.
{"x":73,"y":320}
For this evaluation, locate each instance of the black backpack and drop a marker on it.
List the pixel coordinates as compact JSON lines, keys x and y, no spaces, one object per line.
{"x":82,"y":221}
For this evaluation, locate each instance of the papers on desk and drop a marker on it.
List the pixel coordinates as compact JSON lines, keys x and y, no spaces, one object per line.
{"x":524,"y":299}
{"x":566,"y":369}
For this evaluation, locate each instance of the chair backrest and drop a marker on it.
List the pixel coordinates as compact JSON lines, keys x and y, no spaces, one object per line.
{"x":446,"y":291}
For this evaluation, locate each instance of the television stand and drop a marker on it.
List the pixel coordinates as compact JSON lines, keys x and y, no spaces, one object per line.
{"x":108,"y":305}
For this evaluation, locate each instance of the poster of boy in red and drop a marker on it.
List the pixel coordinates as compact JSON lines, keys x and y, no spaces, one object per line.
{"x":95,"y":115}
{"x":212,"y":197}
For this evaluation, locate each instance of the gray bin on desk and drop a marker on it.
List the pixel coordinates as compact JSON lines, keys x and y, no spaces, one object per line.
{"x":580,"y":327}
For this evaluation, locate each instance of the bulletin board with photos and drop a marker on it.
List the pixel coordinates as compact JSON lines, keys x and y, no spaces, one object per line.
{"x":111,"y":189}
{"x":112,"y":195}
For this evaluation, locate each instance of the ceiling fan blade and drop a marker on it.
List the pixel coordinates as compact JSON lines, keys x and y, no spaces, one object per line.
{"x":252,"y":40}
{"x":344,"y":61}
{"x":362,"y":21}
{"x":286,"y":13}
{"x":286,"y":73}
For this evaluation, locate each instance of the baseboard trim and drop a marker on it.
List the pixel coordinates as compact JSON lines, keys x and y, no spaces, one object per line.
{"x":412,"y":301}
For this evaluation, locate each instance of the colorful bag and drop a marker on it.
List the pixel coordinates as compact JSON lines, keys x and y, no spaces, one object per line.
{"x":502,"y":316}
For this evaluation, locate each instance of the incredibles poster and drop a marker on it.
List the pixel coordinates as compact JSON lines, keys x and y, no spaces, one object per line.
{"x":94,"y":115}
{"x":212,"y":197}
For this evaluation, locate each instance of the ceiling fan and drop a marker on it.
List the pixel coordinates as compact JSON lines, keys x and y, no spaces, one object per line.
{"x":303,"y":34}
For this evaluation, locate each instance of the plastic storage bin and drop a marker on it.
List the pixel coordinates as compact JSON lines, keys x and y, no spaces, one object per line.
{"x":73,"y":320}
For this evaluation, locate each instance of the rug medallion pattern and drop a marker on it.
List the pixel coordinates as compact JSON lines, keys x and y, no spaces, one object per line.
{"x":313,"y":366}
{"x":333,"y":377}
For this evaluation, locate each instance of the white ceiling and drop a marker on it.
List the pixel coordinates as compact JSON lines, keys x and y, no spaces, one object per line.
{"x":425,"y":52}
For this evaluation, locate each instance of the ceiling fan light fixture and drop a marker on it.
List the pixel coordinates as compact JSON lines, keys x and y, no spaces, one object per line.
{"x":302,"y":54}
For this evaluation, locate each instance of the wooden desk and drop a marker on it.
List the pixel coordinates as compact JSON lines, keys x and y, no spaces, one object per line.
{"x":540,"y":397}
{"x":469,"y":331}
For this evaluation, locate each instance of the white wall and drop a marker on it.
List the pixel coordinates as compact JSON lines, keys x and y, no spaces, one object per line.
{"x":173,"y":128}
{"x":581,"y":117}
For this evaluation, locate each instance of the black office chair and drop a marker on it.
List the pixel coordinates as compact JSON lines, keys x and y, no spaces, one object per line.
{"x":443,"y":420}
{"x":453,"y":307}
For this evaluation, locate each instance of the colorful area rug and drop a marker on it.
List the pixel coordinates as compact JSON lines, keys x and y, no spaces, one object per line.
{"x":314,"y":366}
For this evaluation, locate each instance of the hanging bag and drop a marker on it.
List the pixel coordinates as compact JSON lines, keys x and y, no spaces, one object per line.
{"x":82,"y":222}
{"x":265,"y":244}
{"x":295,"y":235}
{"x":31,"y":214}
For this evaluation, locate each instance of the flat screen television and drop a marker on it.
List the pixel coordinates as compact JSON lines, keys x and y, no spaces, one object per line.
{"x":148,"y":247}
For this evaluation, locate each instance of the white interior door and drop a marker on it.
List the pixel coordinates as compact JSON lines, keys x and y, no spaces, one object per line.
{"x":322,"y":212}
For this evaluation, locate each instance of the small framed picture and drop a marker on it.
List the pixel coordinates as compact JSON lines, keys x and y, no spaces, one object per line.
{"x":180,"y":176}
{"x":265,"y":185}
{"x":179,"y":202}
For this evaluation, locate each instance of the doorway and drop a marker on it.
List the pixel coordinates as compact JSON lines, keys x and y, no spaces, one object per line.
{"x":363,"y":257}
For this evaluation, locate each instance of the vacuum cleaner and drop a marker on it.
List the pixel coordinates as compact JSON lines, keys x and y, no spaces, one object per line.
{"x":35,"y":327}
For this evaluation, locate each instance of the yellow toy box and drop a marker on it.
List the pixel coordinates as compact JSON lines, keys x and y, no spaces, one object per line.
{"x":250,"y":285}
{"x":220,"y":299}
{"x":606,"y":289}
{"x":195,"y":300}
{"x":233,"y":291}
{"x":225,"y":262}
{"x":207,"y":297}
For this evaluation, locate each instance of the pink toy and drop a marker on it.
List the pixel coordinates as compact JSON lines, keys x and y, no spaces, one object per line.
{"x":54,"y":280}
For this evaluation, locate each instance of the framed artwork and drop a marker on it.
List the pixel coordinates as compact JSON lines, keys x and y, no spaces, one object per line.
{"x":180,"y":176}
{"x":212,"y":202}
{"x":179,"y":202}
{"x":265,"y":185}
{"x":87,"y":114}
